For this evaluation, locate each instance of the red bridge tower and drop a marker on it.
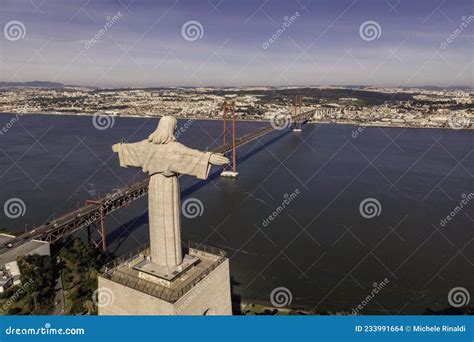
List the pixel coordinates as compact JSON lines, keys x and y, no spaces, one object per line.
{"x":297,"y":102}
{"x":229,"y":139}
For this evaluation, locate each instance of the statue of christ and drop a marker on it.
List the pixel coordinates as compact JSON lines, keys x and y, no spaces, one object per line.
{"x":163,"y":158}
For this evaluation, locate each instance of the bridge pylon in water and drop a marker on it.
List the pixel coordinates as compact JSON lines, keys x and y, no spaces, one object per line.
{"x":229,"y":139}
{"x":297,"y":102}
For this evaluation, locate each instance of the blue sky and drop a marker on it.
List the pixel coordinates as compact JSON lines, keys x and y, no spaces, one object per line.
{"x":321,"y":46}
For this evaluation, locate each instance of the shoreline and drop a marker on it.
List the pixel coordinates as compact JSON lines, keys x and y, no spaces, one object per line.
{"x":253,"y":307}
{"x":130,"y":116}
{"x":352,"y":123}
{"x":259,"y":307}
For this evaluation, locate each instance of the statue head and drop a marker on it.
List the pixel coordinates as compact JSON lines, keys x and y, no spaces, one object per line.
{"x":164,"y":133}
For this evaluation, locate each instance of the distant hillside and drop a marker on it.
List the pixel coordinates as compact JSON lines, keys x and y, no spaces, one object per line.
{"x":316,"y":95}
{"x":33,"y":84}
{"x":436,"y":88}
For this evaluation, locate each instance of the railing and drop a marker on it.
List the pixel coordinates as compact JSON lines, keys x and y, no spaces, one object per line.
{"x":206,"y":249}
{"x":127,"y":258}
{"x":113,"y":273}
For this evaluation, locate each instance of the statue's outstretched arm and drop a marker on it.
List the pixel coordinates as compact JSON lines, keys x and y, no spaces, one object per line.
{"x":130,"y":154}
{"x":218,"y":159}
{"x":193,"y":162}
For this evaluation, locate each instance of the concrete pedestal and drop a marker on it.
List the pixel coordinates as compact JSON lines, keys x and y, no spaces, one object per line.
{"x":201,"y":289}
{"x":230,"y":174}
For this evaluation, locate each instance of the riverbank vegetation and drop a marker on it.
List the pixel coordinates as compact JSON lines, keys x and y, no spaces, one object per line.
{"x":80,"y":265}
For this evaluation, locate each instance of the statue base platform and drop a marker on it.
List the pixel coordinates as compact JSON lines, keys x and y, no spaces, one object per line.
{"x":163,"y":275}
{"x":230,"y":174}
{"x":136,"y":286}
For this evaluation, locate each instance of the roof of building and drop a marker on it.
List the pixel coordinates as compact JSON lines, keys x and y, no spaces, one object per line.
{"x":5,"y":280}
{"x":24,"y":249}
{"x":13,"y":268}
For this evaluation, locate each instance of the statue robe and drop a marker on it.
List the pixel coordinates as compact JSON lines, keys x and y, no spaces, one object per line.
{"x":163,"y":162}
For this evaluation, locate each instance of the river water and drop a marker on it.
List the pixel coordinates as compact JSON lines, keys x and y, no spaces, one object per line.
{"x":317,"y":243}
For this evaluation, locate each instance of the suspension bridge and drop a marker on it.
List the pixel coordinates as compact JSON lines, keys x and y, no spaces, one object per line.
{"x":93,"y":212}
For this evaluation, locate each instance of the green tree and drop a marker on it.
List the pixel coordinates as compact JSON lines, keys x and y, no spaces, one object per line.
{"x":37,"y":272}
{"x":80,"y":265}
